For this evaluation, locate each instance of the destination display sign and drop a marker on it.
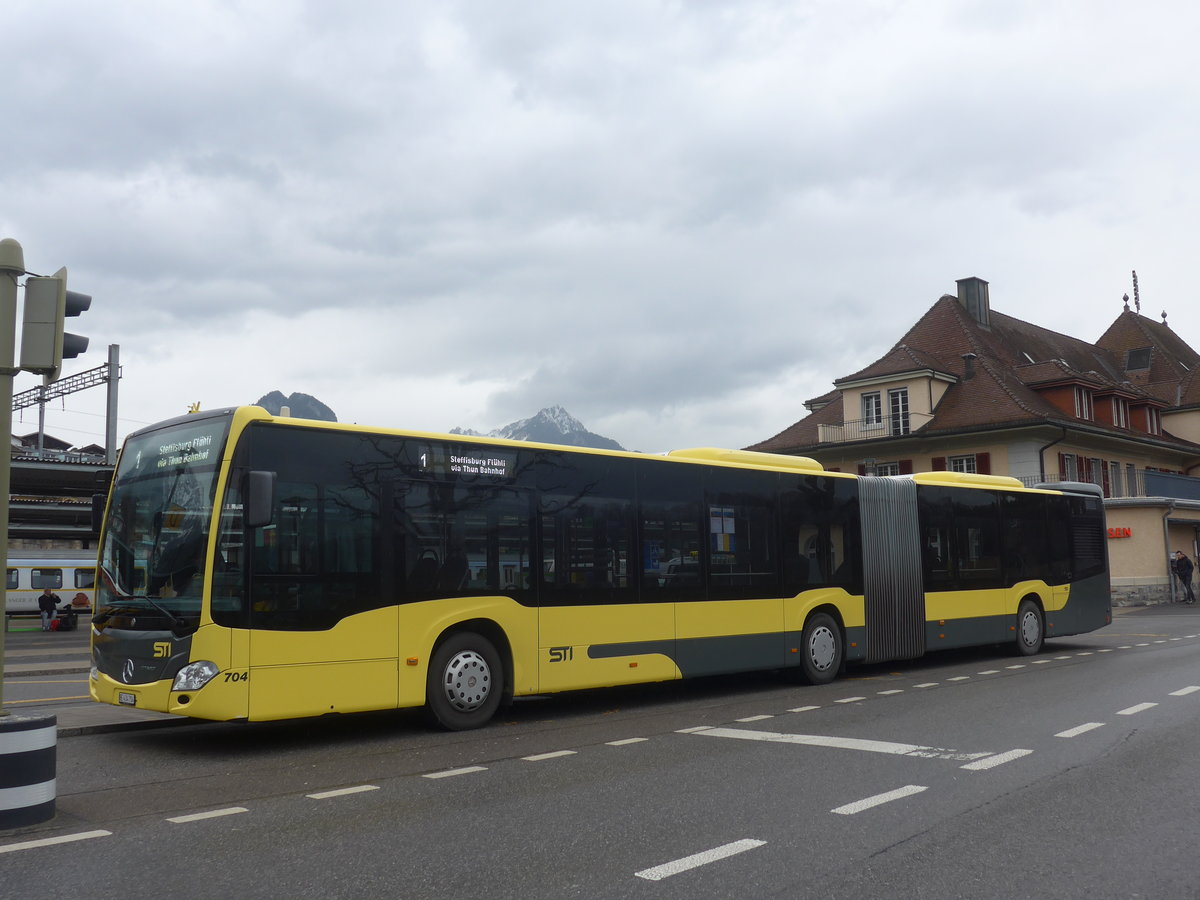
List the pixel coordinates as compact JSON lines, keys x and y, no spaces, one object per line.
{"x":468,"y":461}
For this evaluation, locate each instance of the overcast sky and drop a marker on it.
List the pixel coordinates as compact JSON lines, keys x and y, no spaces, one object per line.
{"x":676,"y":220}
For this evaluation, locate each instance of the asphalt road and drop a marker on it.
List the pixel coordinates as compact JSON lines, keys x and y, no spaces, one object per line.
{"x":972,"y":774}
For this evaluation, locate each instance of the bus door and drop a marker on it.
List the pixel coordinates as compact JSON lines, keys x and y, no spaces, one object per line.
{"x":594,"y":629}
{"x":323,"y":638}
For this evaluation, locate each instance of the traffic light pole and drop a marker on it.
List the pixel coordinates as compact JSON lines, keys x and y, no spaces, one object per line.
{"x":12,"y":265}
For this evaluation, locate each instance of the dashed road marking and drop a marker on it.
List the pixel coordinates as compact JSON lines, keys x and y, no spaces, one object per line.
{"x":1134,"y":710}
{"x":211,"y":814}
{"x":867,"y":803}
{"x":342,"y":792}
{"x":1183,"y":692}
{"x":538,"y":757}
{"x":625,"y":741}
{"x":451,"y":773}
{"x":666,"y":870}
{"x":1080,"y":729}
{"x":50,"y":842}
{"x":996,"y":760}
{"x":754,"y":718}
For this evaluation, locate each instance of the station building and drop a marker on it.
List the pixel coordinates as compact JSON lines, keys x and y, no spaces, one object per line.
{"x":969,"y":389}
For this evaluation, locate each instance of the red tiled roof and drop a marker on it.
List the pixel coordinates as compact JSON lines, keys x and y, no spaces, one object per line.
{"x":1011,"y":357}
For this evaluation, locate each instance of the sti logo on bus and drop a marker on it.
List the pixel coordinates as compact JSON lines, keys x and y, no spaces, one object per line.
{"x":162,"y":649}
{"x":561,"y":654}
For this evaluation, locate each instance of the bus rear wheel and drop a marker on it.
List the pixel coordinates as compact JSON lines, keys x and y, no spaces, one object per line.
{"x":465,"y":682}
{"x":822,"y":649}
{"x":1030,"y":631}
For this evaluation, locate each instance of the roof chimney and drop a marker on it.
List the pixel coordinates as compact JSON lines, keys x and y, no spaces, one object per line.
{"x":969,"y":366}
{"x":973,"y":295}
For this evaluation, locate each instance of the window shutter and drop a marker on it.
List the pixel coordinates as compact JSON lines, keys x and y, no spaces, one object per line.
{"x":906,"y":467}
{"x":939,"y":464}
{"x":1062,"y":467}
{"x":862,"y":470}
{"x":983,"y":463}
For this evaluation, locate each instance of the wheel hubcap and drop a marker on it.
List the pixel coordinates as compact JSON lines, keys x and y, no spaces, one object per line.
{"x":822,"y":648}
{"x":467,"y":681}
{"x":1030,"y":628}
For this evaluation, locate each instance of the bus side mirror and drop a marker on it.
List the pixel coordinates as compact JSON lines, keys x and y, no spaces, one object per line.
{"x":259,"y":509}
{"x":98,"y":502}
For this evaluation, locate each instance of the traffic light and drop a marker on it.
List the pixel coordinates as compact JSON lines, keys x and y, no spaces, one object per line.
{"x":44,"y":345}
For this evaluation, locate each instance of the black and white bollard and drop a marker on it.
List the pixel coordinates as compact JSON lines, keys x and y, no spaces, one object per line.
{"x":28,"y":747}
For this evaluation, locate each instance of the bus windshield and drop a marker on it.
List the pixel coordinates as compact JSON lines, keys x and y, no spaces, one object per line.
{"x":154,"y":551}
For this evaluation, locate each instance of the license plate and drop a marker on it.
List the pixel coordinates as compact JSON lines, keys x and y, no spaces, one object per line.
{"x":126,"y":699}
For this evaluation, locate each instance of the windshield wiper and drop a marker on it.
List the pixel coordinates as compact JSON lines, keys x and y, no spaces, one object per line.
{"x":176,"y":620}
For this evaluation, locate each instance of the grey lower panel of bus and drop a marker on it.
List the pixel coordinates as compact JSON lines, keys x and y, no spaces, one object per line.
{"x":696,"y":657}
{"x":893,"y":586}
{"x":1089,"y":608}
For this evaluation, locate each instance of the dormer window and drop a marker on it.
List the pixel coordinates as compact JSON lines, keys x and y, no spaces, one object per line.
{"x":1138,"y":359}
{"x":1083,"y":403}
{"x":1120,"y":412}
{"x":1153,"y":421}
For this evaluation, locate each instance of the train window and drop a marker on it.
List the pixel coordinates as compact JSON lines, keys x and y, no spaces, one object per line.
{"x":45,"y":578}
{"x":85,"y":578}
{"x":12,"y":579}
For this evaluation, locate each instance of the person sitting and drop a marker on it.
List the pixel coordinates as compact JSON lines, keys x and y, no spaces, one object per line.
{"x":47,"y":604}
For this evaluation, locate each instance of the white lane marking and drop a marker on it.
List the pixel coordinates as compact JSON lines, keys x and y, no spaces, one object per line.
{"x":342,"y":792}
{"x":666,"y":870}
{"x":1134,"y":710}
{"x":623,"y":742}
{"x":859,"y":805}
{"x":960,"y":678}
{"x":1142,"y":645}
{"x":842,"y":743}
{"x":997,"y":760}
{"x":927,"y":684}
{"x":1105,"y":650}
{"x":50,"y":842}
{"x":804,"y":709}
{"x":1084,"y":653}
{"x":754,"y":718}
{"x":1062,"y":657}
{"x":1079,"y":729}
{"x":1183,"y":692}
{"x":538,"y":757}
{"x":693,"y":729}
{"x":889,"y":693}
{"x":450,"y":773}
{"x":211,"y":814}
{"x":849,"y":699}
{"x":1125,"y":647}
{"x":1040,"y":662}
{"x":1018,"y":666}
{"x":989,"y":672}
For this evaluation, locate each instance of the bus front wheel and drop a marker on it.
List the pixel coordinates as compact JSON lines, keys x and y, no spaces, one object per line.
{"x":1030,"y":632}
{"x":465,"y":683}
{"x":822,"y":650}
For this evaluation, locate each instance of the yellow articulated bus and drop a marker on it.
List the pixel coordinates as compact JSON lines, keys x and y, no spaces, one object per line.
{"x":255,"y":567}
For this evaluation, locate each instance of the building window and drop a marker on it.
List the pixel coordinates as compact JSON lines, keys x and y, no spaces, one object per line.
{"x":1120,"y":412}
{"x":1114,"y":480}
{"x":962,"y":463}
{"x":887,"y":468}
{"x":1153,"y":421}
{"x":1138,"y":359}
{"x":1083,"y":402}
{"x":1070,"y":471}
{"x":872,"y":410}
{"x":898,"y":410}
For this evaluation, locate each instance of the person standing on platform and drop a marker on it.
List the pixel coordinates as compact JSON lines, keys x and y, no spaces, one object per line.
{"x":1182,"y":567}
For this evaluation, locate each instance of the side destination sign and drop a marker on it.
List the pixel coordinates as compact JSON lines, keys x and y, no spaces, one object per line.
{"x":467,"y":461}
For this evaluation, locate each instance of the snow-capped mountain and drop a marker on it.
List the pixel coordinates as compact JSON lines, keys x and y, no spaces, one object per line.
{"x":553,"y":425}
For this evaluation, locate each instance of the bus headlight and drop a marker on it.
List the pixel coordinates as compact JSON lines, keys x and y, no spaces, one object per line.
{"x":195,"y":675}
